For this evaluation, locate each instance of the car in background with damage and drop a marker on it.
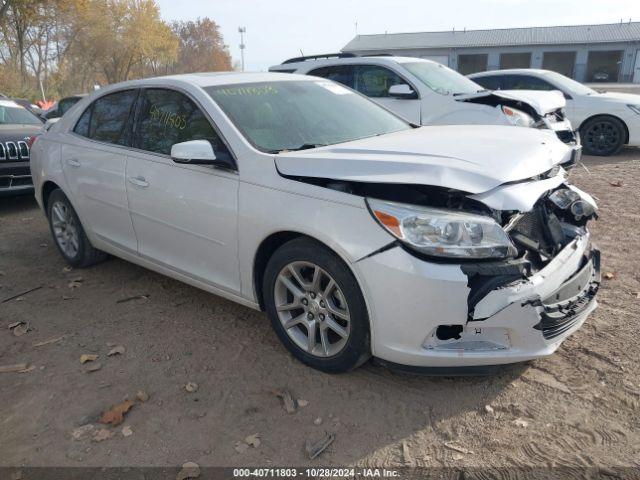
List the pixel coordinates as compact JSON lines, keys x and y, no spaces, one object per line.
{"x":607,"y":121}
{"x":61,"y":106}
{"x":18,"y":128}
{"x":358,"y":233}
{"x":428,"y":93}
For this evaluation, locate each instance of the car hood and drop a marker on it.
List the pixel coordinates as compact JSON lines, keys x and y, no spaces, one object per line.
{"x":15,"y":132}
{"x":541,"y":102}
{"x":469,"y":158}
{"x":616,"y":97}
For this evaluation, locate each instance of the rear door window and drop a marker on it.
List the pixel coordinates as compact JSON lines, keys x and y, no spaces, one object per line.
{"x":343,"y":74}
{"x":490,"y":82}
{"x":109,"y":118}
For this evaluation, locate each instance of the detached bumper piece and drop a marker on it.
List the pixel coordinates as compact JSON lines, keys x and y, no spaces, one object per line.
{"x":563,"y":309}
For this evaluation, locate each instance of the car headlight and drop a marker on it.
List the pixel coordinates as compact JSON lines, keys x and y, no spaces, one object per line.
{"x":518,"y":117}
{"x":635,"y":108}
{"x":443,"y":233}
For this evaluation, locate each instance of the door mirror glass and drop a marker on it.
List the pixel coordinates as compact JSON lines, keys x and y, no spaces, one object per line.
{"x":401,"y":91}
{"x":195,"y":152}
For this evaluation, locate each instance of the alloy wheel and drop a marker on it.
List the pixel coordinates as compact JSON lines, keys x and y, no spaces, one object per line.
{"x":602,"y":137}
{"x":312,"y":309}
{"x":65,"y":229}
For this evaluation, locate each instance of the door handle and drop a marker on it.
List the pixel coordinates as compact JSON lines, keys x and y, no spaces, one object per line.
{"x":73,"y":162}
{"x":139,"y":181}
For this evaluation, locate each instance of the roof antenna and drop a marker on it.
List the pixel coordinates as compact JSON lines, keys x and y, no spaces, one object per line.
{"x":301,"y":54}
{"x":465,"y":30}
{"x":454,"y":29}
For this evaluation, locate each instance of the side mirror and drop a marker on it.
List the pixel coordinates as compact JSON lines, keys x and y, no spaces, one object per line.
{"x":197,"y":152}
{"x":402,"y":91}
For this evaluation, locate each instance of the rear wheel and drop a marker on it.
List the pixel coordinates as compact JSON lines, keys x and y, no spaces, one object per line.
{"x":602,"y":136}
{"x":316,"y":306}
{"x":68,"y":234}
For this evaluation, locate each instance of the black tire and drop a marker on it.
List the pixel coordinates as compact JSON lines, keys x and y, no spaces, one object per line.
{"x":85,"y":255}
{"x":602,"y":136}
{"x":357,"y":349}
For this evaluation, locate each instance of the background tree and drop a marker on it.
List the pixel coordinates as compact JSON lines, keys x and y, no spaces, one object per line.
{"x":68,"y":46}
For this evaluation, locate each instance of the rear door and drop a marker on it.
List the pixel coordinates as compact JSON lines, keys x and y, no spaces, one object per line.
{"x":93,"y":162}
{"x":185,"y":216}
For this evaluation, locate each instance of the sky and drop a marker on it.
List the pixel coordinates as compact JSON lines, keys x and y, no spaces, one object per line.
{"x":280,"y":29}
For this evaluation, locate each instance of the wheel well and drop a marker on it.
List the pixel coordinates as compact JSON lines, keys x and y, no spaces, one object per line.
{"x":47,"y":188}
{"x":626,"y":129}
{"x":268,"y":246}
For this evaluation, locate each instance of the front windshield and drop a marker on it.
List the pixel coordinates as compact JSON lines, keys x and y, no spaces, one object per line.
{"x":568,"y":85}
{"x":442,"y":79}
{"x":293,"y":115}
{"x":17,"y":115}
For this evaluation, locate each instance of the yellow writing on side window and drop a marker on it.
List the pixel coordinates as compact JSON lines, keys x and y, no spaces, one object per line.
{"x":168,"y":119}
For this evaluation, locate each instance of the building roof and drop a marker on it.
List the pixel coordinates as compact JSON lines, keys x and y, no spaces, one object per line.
{"x":603,"y":33}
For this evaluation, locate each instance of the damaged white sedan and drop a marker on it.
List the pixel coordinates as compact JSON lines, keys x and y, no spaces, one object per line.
{"x":359,"y":234}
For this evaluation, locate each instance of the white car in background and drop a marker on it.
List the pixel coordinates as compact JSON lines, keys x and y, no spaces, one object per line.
{"x":359,"y":233}
{"x":428,"y":93}
{"x":606,"y":121}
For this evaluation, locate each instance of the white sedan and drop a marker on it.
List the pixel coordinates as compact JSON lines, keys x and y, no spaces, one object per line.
{"x":606,"y":121}
{"x":358,"y":233}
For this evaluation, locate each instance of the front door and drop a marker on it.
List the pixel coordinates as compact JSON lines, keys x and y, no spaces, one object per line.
{"x":185,"y":216}
{"x":94,"y":167}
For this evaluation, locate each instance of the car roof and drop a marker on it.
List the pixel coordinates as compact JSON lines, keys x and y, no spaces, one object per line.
{"x":322,"y":62}
{"x":209,"y":79}
{"x":511,"y":71}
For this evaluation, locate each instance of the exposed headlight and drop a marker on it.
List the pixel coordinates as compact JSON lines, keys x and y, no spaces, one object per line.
{"x":443,"y":233}
{"x":518,"y":117}
{"x":635,"y":108}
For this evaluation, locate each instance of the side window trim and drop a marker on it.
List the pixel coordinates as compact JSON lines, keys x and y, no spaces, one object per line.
{"x":172,"y":88}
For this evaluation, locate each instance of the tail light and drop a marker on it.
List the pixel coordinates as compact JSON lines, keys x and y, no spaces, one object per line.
{"x":31,"y":140}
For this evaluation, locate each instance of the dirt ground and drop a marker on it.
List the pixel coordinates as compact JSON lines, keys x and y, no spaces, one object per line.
{"x":579,"y":407}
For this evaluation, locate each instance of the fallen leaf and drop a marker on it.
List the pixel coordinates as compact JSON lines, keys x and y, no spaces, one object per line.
{"x":302,"y":403}
{"x":102,"y":434}
{"x":80,"y":432}
{"x":115,"y":415}
{"x":457,"y":456}
{"x":457,"y":448}
{"x":75,"y":283}
{"x":253,"y":440}
{"x":87,"y":357}
{"x":15,"y":324}
{"x":317,"y":421}
{"x":406,"y":454}
{"x":126,"y":431}
{"x":20,"y":330}
{"x":28,"y":369}
{"x":288,"y":402}
{"x":67,"y":269}
{"x":610,"y":275}
{"x":189,"y":470}
{"x":118,"y":350}
{"x":488,"y":409}
{"x":316,"y":448}
{"x":48,"y":342}
{"x":94,"y":367}
{"x":191,"y":387}
{"x":616,"y":183}
{"x":13,"y":368}
{"x":142,"y":396}
{"x":136,"y":297}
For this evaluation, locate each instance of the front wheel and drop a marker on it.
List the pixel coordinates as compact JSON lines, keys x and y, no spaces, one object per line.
{"x":316,"y":306}
{"x":602,"y":136}
{"x":68,"y":234}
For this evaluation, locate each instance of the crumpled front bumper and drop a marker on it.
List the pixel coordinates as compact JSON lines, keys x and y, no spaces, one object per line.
{"x":409,"y":298}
